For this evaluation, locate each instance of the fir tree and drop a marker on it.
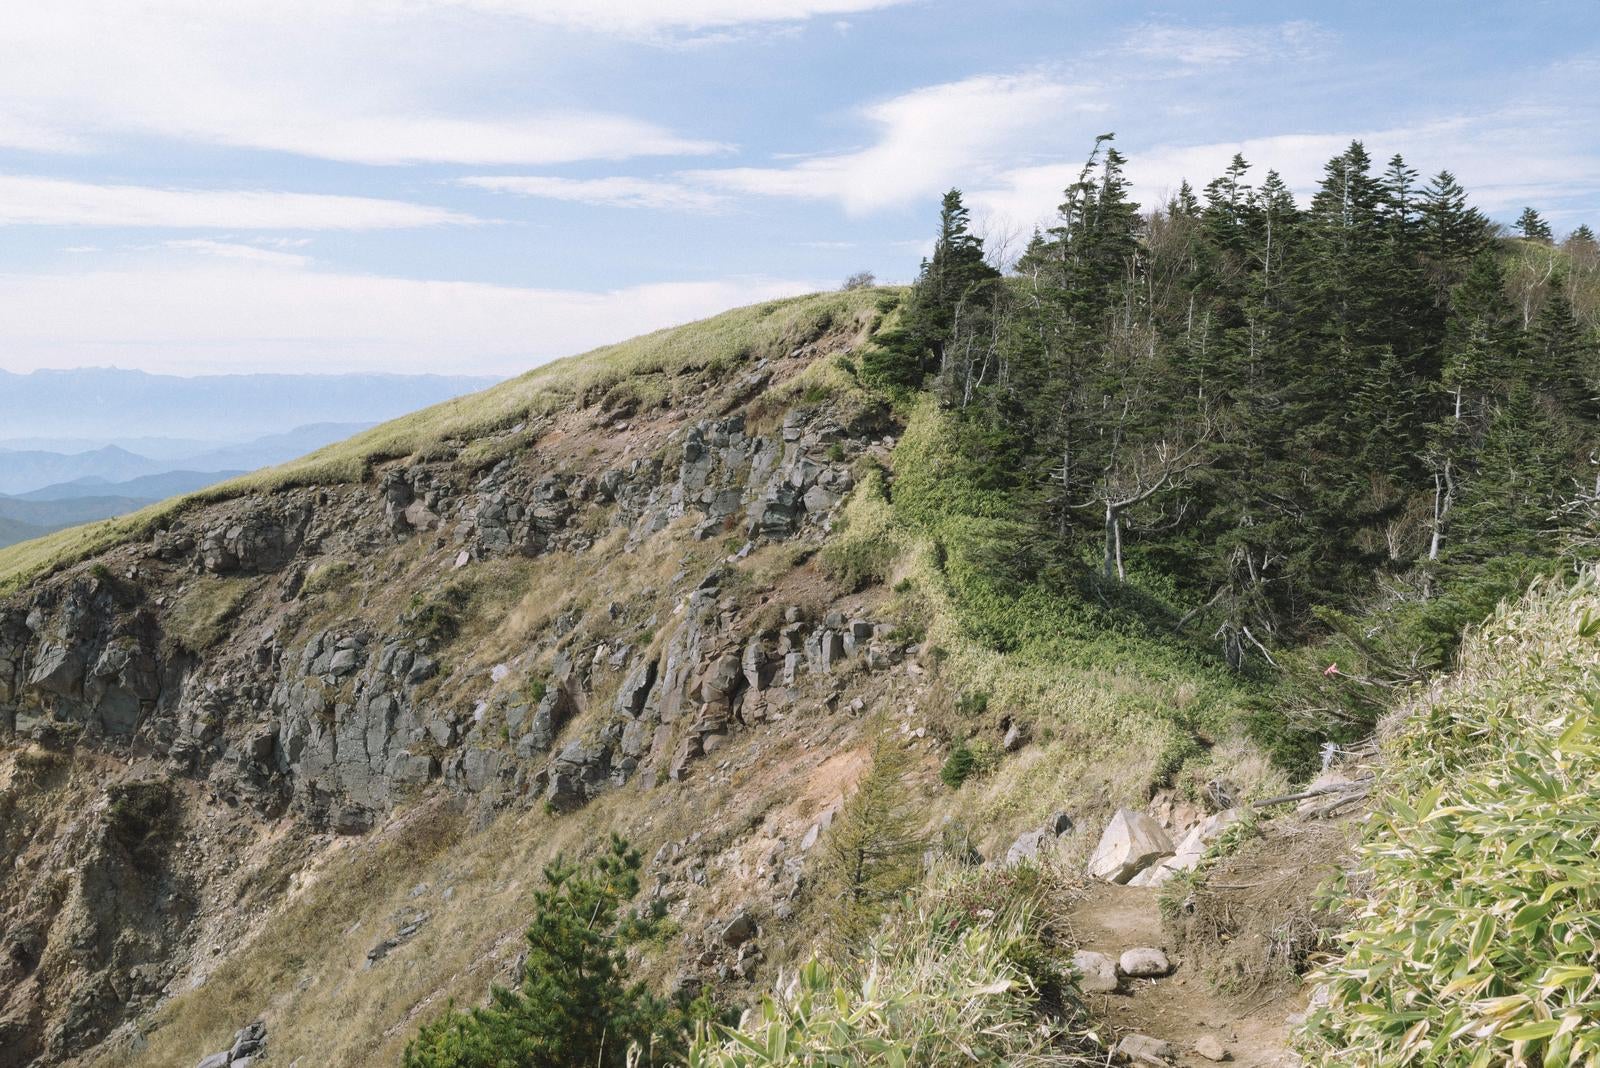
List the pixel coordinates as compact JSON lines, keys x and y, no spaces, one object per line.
{"x":871,"y":854}
{"x":1533,"y":227}
{"x":1565,"y":362}
{"x":574,"y":1004}
{"x":1452,"y":232}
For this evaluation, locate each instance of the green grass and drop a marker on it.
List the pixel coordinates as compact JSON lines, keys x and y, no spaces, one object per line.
{"x":199,"y":618}
{"x":1476,"y":897}
{"x":714,"y":347}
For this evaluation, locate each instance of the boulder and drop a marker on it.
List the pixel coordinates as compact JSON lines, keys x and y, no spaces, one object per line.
{"x":721,"y":679}
{"x":1208,"y":1047}
{"x":636,"y":688}
{"x":1190,"y":851}
{"x":248,"y":1041}
{"x":214,"y":1060}
{"x":739,"y":930}
{"x":754,"y":665}
{"x":1142,"y":1049}
{"x":1028,"y":845}
{"x":1144,"y":962}
{"x":1131,"y":843}
{"x":1097,"y":973}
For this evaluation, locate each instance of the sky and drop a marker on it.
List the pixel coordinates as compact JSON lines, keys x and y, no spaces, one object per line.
{"x":476,"y":186}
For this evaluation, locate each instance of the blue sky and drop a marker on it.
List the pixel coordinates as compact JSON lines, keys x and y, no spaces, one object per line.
{"x":480,"y":185}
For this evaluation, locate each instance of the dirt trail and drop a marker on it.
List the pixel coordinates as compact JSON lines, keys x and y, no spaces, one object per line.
{"x":1182,"y":1008}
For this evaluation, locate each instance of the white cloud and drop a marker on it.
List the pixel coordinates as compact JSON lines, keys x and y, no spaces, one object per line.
{"x":234,"y":251}
{"x":929,"y":139}
{"x":647,"y":16}
{"x":56,"y":202}
{"x":389,"y":139}
{"x":369,"y":81}
{"x":223,"y":315}
{"x":1504,"y":159}
{"x":618,"y":192}
{"x":1203,"y":46}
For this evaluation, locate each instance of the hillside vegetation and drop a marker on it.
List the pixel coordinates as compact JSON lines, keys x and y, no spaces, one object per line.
{"x":1476,"y":890}
{"x":619,"y":376}
{"x":858,"y":615}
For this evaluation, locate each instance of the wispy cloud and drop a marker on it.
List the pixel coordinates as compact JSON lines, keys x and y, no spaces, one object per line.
{"x":365,"y":81}
{"x":234,"y":251}
{"x":647,"y":16}
{"x":26,"y":200}
{"x":1211,"y":46}
{"x":927,"y":139}
{"x":618,"y":192}
{"x":201,"y":317}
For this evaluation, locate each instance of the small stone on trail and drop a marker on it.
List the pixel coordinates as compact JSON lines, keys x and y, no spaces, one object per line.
{"x":1098,"y":972}
{"x":1142,"y":1049}
{"x":1209,"y":1048}
{"x":1144,"y":963}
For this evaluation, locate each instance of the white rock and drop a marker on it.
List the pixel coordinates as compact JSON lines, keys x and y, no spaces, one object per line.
{"x":1209,"y":1048}
{"x":1097,"y":973}
{"x":1155,"y":875}
{"x":1190,"y":851}
{"x":1131,"y":843}
{"x":1144,"y":962}
{"x":1142,"y":1049}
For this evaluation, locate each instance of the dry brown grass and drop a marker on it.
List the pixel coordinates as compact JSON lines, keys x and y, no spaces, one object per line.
{"x":201,"y":615}
{"x":712,"y":347}
{"x":1254,"y":918}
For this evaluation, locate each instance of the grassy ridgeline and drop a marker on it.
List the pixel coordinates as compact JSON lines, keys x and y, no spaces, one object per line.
{"x":718,"y":344}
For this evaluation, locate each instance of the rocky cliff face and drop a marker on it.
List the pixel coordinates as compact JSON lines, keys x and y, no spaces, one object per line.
{"x":227,"y":697}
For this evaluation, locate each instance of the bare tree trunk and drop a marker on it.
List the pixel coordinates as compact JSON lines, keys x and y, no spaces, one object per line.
{"x":1116,"y":530}
{"x":1443,"y":496}
{"x":1112,"y":548}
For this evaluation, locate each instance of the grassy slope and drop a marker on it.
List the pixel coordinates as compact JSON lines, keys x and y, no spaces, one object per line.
{"x":1112,"y":708}
{"x":1477,"y":916}
{"x":1107,"y":711}
{"x":724,"y":341}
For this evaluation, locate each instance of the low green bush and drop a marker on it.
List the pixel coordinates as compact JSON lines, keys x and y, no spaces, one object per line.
{"x":925,"y":993}
{"x":1476,"y":899}
{"x":575,"y":1003}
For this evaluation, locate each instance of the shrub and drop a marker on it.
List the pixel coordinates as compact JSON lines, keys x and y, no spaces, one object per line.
{"x":864,"y":548}
{"x":438,"y":618}
{"x":575,"y":1004}
{"x":957,"y":767}
{"x":921,"y":995}
{"x":201,"y":615}
{"x":1475,"y":940}
{"x":871,"y":854}
{"x":333,"y":575}
{"x":140,"y":816}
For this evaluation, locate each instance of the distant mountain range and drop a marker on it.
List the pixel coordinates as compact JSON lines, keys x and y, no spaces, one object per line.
{"x":105,"y":404}
{"x":78,"y":446}
{"x":99,"y":469}
{"x":147,"y":488}
{"x":43,"y":491}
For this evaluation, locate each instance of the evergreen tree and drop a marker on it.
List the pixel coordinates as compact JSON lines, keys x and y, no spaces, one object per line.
{"x":950,"y":280}
{"x":954,"y":288}
{"x":1520,"y":472}
{"x":871,"y":854}
{"x":1533,"y":227}
{"x":1452,"y":232}
{"x":1565,"y":362}
{"x":574,"y":1004}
